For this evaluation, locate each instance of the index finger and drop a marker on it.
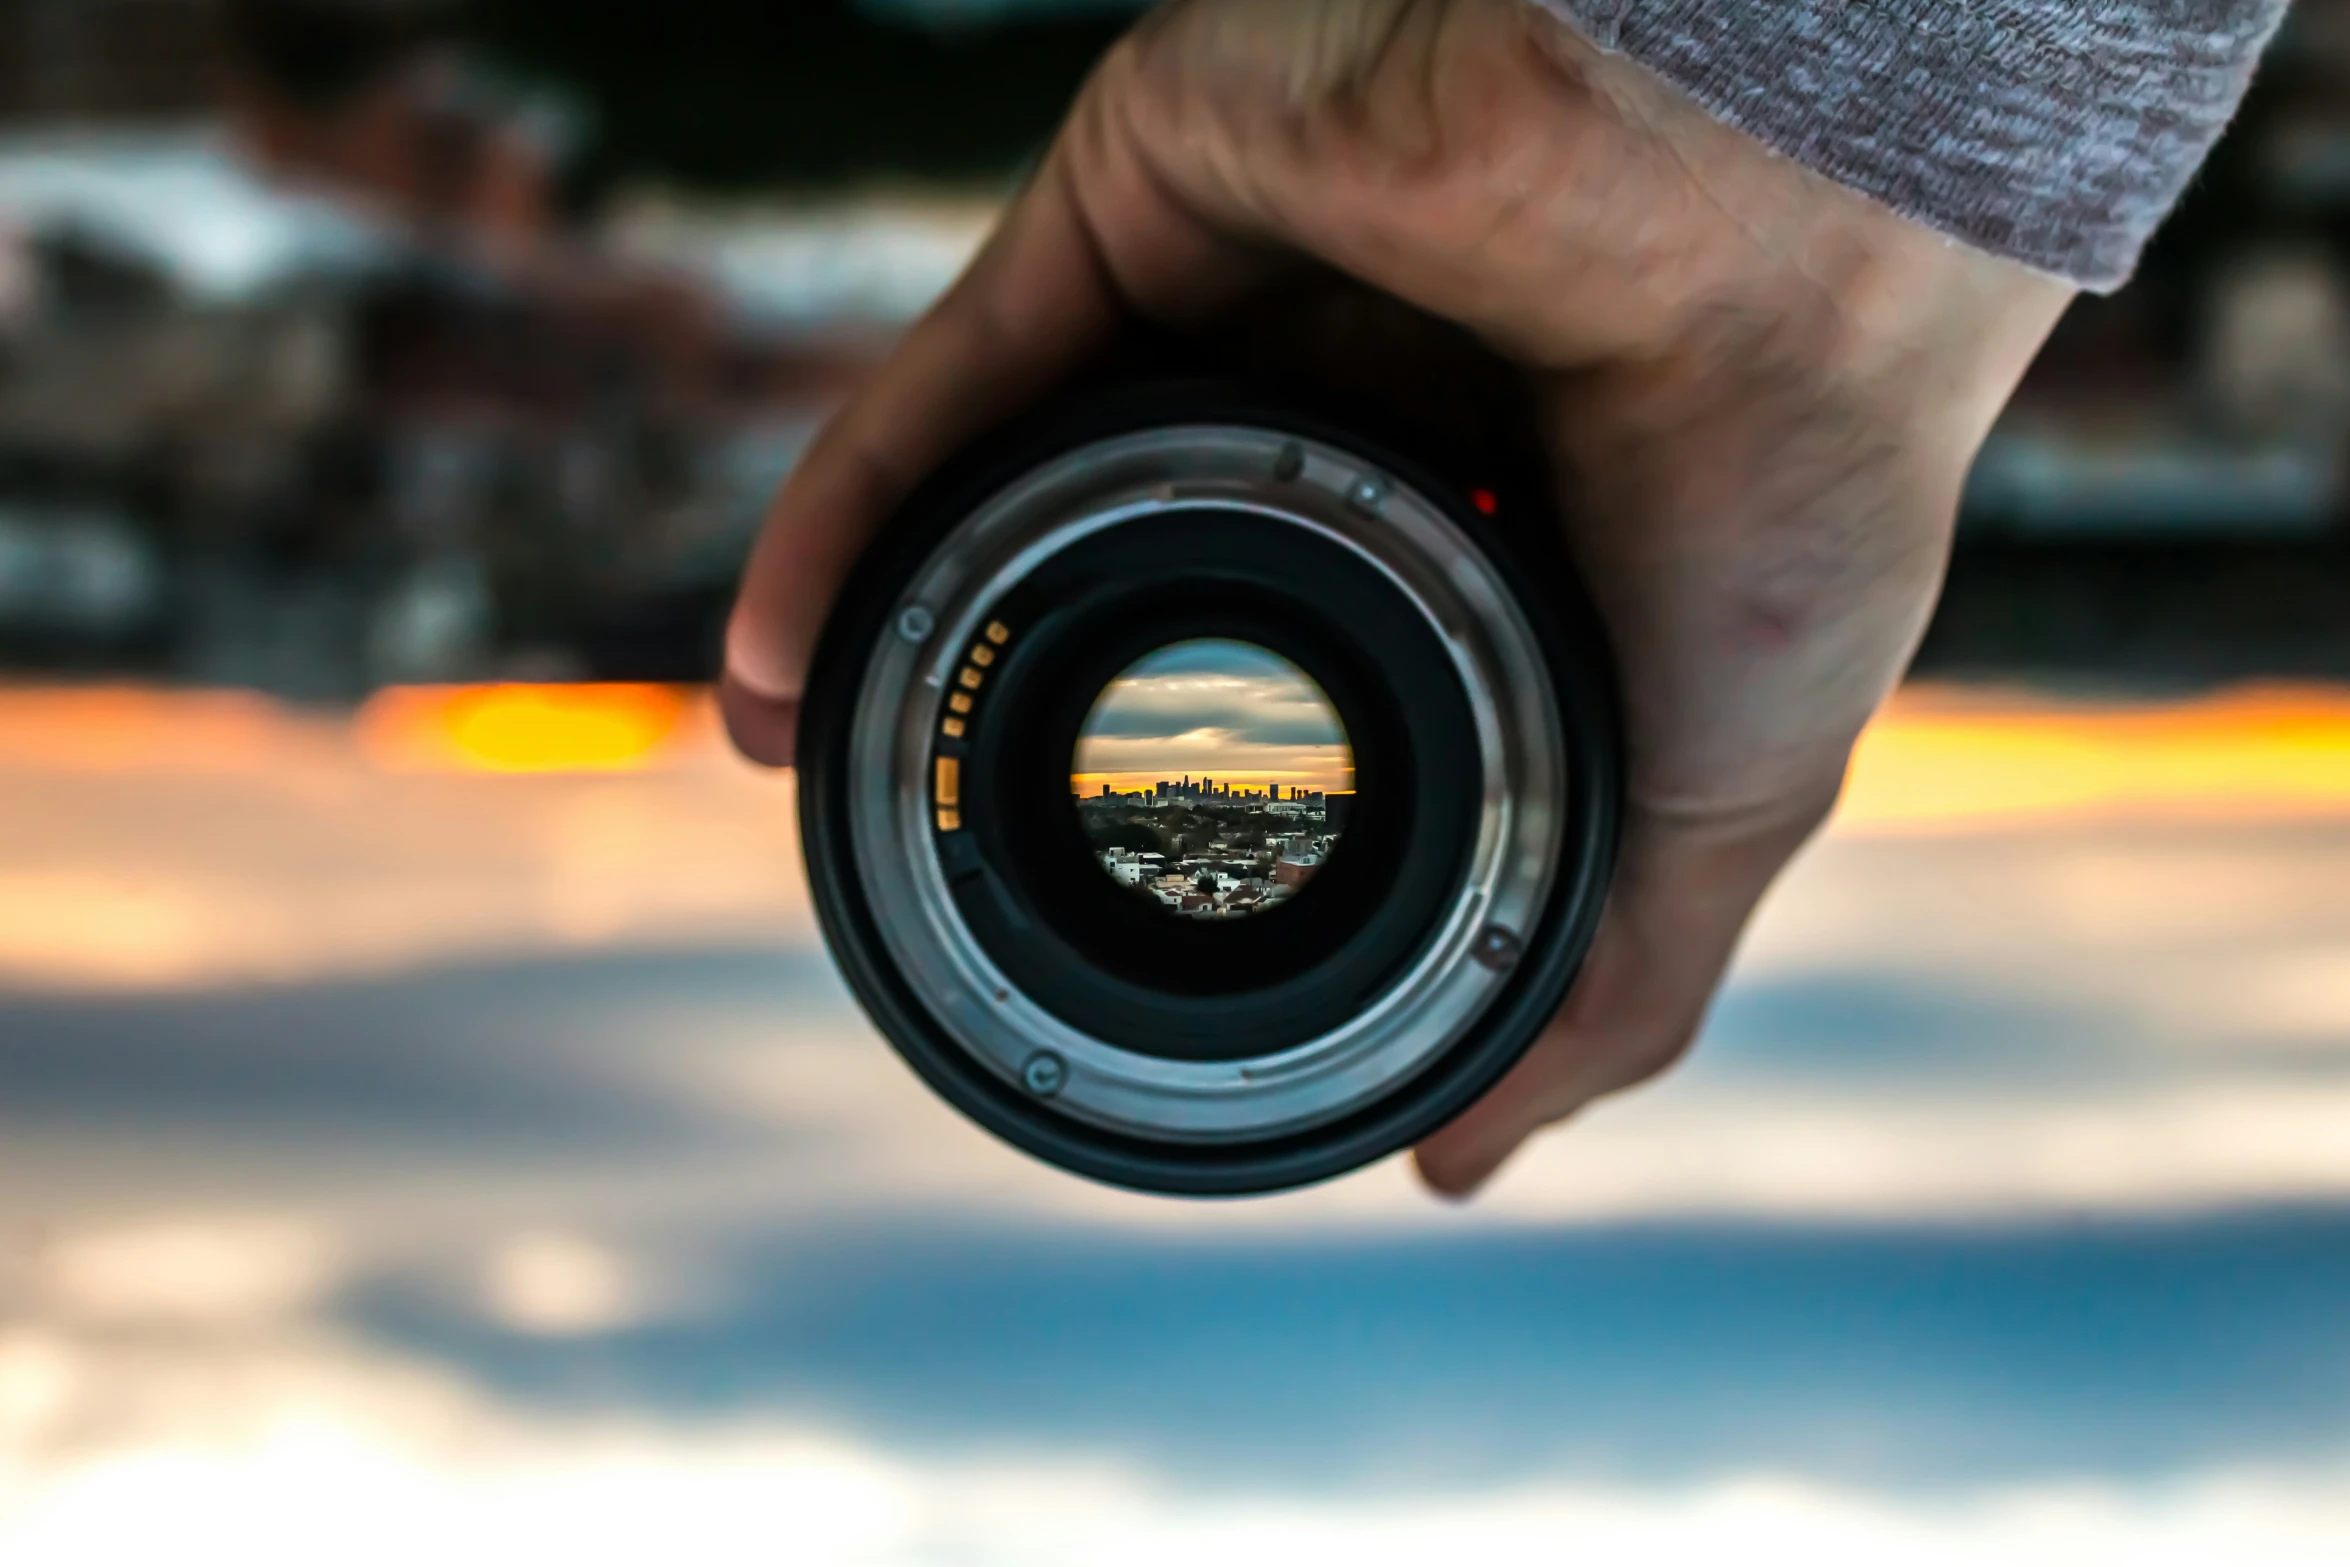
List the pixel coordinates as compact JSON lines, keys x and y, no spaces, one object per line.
{"x":1092,"y":238}
{"x":1032,"y":305}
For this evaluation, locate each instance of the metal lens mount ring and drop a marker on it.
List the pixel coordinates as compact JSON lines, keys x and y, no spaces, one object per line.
{"x":1282,"y":481}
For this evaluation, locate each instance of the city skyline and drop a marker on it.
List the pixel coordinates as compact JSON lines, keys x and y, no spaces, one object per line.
{"x":1213,"y":709}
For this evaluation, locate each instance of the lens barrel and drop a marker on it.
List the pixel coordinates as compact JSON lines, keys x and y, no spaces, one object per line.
{"x":1426,"y":594}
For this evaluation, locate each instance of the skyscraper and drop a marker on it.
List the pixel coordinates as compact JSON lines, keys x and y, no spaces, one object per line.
{"x":1335,"y":810}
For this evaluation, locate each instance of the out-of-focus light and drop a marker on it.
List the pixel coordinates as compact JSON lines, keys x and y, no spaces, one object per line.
{"x":522,"y":728}
{"x":189,"y":1270}
{"x":1937,"y":759}
{"x":560,"y":1286}
{"x":128,"y":729}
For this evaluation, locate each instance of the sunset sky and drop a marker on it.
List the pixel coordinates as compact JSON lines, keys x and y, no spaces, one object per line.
{"x":446,"y":1116}
{"x":1221,"y":710}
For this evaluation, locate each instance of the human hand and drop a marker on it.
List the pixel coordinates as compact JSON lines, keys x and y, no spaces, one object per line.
{"x":1761,"y":393}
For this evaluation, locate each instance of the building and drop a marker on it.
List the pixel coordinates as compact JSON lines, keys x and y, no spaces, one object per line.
{"x":1336,"y":808}
{"x":1295,"y":870}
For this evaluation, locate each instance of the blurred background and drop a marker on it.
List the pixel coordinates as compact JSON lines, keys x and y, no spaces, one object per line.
{"x":429,"y":1124}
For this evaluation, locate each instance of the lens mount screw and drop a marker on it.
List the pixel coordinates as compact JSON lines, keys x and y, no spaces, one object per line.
{"x":916,"y":624}
{"x":1369,"y":493}
{"x":1498,"y":949}
{"x":1046,"y":1074}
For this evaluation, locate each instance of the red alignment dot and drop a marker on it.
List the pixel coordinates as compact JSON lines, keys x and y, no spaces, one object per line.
{"x":1485,"y":501}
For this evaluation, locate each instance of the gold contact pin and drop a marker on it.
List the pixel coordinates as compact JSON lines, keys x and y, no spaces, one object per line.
{"x":950,"y":781}
{"x":983,"y":655}
{"x":952,"y":728}
{"x":971,"y":679}
{"x":998,"y":632}
{"x":950,"y":821}
{"x":960,"y":701}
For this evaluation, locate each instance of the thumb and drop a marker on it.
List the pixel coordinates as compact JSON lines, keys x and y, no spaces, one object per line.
{"x":1684,"y":892}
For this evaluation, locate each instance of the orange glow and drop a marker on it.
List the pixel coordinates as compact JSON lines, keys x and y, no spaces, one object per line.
{"x":523,"y":729}
{"x":1940,"y":758}
{"x":129,"y":729}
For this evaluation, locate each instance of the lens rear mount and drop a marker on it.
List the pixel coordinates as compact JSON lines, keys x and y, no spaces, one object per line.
{"x":954,"y":879}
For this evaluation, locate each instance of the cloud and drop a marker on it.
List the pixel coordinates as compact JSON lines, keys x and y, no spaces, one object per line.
{"x":560,"y":1285}
{"x":196,"y":1452}
{"x":1899,"y":1269}
{"x":188,"y":1270}
{"x":287,"y":854}
{"x":1246,"y":693}
{"x":1224,"y":709}
{"x":1184,"y":711}
{"x":1261,"y":711}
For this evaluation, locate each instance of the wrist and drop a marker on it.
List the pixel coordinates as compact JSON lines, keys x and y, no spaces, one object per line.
{"x":1773,"y":264}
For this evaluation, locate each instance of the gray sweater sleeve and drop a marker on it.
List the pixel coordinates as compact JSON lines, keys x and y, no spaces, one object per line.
{"x":2055,"y":132}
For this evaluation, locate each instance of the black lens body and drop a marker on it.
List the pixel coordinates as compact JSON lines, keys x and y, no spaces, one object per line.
{"x":1019,"y":873}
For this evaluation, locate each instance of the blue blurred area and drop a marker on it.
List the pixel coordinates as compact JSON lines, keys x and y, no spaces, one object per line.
{"x":1887,"y":1358}
{"x":510,"y":1059}
{"x":1926,"y":1356}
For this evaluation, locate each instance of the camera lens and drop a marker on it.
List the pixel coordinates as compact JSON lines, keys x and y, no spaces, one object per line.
{"x":1206,"y":796}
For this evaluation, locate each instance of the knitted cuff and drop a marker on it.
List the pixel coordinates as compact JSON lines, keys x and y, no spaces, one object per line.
{"x":2058,"y":133}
